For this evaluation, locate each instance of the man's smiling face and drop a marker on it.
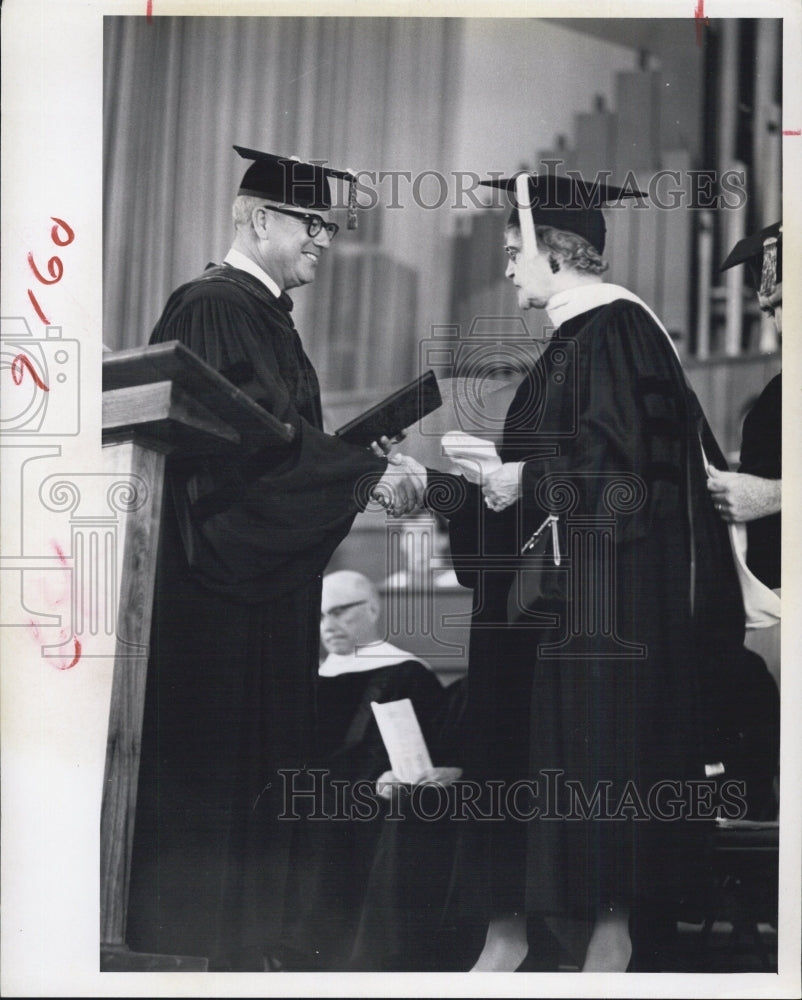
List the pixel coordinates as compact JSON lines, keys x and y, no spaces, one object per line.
{"x":289,"y":254}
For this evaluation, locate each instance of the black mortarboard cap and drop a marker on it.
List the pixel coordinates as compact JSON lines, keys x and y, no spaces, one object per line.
{"x":568,"y":203}
{"x":294,"y":182}
{"x":762,"y":254}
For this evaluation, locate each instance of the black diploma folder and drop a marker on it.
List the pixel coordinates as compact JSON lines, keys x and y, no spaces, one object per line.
{"x":401,"y":409}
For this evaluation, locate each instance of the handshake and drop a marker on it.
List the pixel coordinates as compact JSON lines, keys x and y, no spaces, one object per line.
{"x":402,"y":487}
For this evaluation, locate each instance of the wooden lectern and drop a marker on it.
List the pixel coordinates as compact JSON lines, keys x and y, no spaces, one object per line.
{"x":157,"y":401}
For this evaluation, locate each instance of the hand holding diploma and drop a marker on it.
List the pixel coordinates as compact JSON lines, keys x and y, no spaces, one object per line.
{"x":385,"y":444}
{"x":475,"y":457}
{"x":478,"y":461}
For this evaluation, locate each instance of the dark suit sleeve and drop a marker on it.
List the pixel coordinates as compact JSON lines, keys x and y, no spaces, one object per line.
{"x":474,"y":531}
{"x":761,"y":455}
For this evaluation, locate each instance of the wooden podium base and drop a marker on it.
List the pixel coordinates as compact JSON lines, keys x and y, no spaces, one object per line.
{"x":157,"y":400}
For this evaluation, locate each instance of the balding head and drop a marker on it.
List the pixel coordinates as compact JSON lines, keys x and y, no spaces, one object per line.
{"x":349,"y":611}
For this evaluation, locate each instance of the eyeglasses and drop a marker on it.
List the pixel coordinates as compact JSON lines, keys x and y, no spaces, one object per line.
{"x":340,"y":610}
{"x":314,"y":223}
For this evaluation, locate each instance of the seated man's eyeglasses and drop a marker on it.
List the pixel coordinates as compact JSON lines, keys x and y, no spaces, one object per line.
{"x":341,"y":610}
{"x":314,"y":223}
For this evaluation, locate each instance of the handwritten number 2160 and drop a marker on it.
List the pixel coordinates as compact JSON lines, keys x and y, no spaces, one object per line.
{"x":55,"y":268}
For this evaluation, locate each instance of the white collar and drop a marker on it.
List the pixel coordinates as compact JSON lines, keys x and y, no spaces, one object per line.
{"x":572,"y":302}
{"x":236,"y":258}
{"x":368,"y":657}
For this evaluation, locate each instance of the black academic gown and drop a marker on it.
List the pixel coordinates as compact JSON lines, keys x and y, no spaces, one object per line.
{"x":229,"y":700}
{"x":624,"y":695}
{"x":335,"y":844}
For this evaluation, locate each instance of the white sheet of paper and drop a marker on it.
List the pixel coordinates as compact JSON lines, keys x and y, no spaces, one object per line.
{"x":475,"y":457}
{"x":401,"y":732}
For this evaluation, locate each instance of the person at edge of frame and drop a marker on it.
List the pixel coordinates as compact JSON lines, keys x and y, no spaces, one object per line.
{"x":234,"y":643}
{"x":750,"y":499}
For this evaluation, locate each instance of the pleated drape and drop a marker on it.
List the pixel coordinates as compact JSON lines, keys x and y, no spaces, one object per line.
{"x":366,"y":93}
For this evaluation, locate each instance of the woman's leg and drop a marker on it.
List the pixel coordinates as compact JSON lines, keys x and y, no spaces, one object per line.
{"x":610,"y":946}
{"x":505,"y":945}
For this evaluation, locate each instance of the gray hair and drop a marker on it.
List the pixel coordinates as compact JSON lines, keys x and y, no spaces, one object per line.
{"x":243,"y":207}
{"x":569,"y":248}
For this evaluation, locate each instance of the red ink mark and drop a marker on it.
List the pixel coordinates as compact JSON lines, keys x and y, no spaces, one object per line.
{"x":67,"y":229}
{"x":699,"y":16}
{"x":53,"y":265}
{"x":60,"y":553}
{"x":38,"y":308}
{"x":792,"y":131}
{"x":55,"y":268}
{"x":149,"y":11}
{"x":75,"y":658}
{"x":19,"y":366}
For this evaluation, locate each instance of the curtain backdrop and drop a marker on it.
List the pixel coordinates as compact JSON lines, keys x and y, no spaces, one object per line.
{"x":369,"y":94}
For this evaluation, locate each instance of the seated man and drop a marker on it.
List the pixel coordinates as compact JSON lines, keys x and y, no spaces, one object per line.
{"x":360,"y":668}
{"x":750,"y":500}
{"x":334,"y":854}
